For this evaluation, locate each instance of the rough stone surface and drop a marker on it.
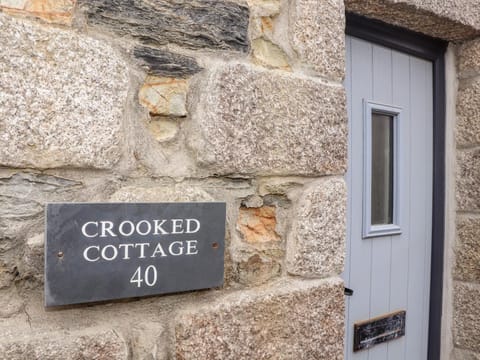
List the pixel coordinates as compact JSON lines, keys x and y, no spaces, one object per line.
{"x":449,"y":20}
{"x":257,"y":225}
{"x":164,"y":96}
{"x":459,"y":354}
{"x":163,"y":129}
{"x":165,"y":63}
{"x":165,"y":193}
{"x":468,"y":180}
{"x":62,"y":98}
{"x":268,"y":122}
{"x":317,"y":35}
{"x":467,"y":316}
{"x":468,"y":60}
{"x":467,"y":252}
{"x":195,"y":24}
{"x":468,"y":113}
{"x":316,"y":245}
{"x":268,"y":54}
{"x":291,"y":320}
{"x":99,"y":344}
{"x":53,"y":11}
{"x":33,"y":258}
{"x":258,"y":270}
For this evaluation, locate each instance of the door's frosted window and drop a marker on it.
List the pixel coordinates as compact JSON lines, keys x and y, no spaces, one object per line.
{"x":382,"y":169}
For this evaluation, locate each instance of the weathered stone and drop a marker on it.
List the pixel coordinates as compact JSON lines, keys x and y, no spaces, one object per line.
{"x":449,"y":20}
{"x":62,"y":98}
{"x":317,"y":35}
{"x":459,"y":354}
{"x":257,"y":225}
{"x":264,"y":8}
{"x":195,"y":24}
{"x":268,"y":54}
{"x":21,"y":193}
{"x":468,"y":180}
{"x":316,"y":244}
{"x":468,"y":114}
{"x":164,"y":96}
{"x":253,"y":201}
{"x":467,"y":316}
{"x":10,"y":303}
{"x":164,"y":63}
{"x":467,"y":252}
{"x":267,"y":122}
{"x":163,"y":129}
{"x":53,"y":11}
{"x":469,"y":58}
{"x":257,"y":270}
{"x":291,"y":320}
{"x":165,"y":193}
{"x":33,"y":258}
{"x":92,"y":344}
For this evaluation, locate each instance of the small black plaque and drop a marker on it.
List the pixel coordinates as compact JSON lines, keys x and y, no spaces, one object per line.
{"x":96,"y":252}
{"x":378,"y":330}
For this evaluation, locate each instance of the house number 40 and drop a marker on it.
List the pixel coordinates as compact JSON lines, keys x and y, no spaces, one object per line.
{"x":149,"y":276}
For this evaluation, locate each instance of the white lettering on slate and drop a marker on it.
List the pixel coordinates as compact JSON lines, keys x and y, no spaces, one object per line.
{"x":156,"y":247}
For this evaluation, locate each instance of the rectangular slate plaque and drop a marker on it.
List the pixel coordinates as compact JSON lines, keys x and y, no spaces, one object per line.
{"x":378,"y":330}
{"x":96,"y":252}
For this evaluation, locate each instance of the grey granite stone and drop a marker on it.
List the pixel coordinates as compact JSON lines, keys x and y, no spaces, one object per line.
{"x":466,"y":316}
{"x":192,"y":24}
{"x":61,"y":100}
{"x":249,"y":121}
{"x":468,"y":113}
{"x":467,"y":250}
{"x":290,"y":320}
{"x":468,"y":180}
{"x":468,"y":59}
{"x":316,"y":244}
{"x":91,"y":344}
{"x":317,"y":35}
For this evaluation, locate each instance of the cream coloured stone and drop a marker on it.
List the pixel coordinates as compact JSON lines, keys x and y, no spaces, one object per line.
{"x":268,"y":54}
{"x":62,"y":98}
{"x":164,"y":96}
{"x":468,"y":113}
{"x":467,"y":316}
{"x":459,"y":354}
{"x":53,"y":11}
{"x":468,"y":180}
{"x":449,"y":20}
{"x":91,"y":344}
{"x":469,"y":58}
{"x":250,"y":121}
{"x":316,"y":244}
{"x":163,"y":129}
{"x":291,"y":319}
{"x":317,"y":31}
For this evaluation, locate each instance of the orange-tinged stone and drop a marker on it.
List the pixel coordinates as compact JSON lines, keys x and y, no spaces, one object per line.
{"x":53,"y":11}
{"x":257,"y":225}
{"x":164,"y":96}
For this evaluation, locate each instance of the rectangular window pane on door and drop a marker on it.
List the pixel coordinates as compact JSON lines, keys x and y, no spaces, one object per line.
{"x":382,"y":196}
{"x":382,"y":169}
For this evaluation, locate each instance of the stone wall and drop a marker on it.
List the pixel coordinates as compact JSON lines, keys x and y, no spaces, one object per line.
{"x":466,"y":303}
{"x":212,"y":100}
{"x":179,"y":101}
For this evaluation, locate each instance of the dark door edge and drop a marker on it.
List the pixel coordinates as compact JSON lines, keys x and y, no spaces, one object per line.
{"x":431,"y":49}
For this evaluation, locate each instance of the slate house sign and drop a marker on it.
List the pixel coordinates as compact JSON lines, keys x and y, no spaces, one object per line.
{"x":96,"y":252}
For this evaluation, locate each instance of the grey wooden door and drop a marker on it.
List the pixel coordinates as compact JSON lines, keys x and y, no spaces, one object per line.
{"x":390,"y":106}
